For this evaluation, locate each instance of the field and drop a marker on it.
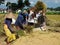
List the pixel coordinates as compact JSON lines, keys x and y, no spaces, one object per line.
{"x":50,"y":37}
{"x":54,"y":17}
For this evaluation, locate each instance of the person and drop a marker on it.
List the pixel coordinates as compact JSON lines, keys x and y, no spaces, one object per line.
{"x":25,"y":16}
{"x":30,"y":14}
{"x":31,"y":18}
{"x":8,"y":19}
{"x":42,"y":21}
{"x":10,"y":36}
{"x":38,"y":13}
{"x":7,"y":28}
{"x":19,"y":21}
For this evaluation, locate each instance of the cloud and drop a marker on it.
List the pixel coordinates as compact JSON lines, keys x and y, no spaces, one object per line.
{"x":32,"y":2}
{"x":3,"y":6}
{"x":53,"y":1}
{"x":57,"y":1}
{"x":12,"y":1}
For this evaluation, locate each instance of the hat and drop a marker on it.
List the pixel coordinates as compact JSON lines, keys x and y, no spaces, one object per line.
{"x":19,"y":11}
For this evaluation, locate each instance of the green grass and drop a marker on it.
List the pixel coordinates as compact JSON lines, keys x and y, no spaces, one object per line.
{"x":53,"y":13}
{"x":20,"y":32}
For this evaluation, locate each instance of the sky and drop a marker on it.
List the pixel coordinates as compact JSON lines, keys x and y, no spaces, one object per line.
{"x":49,"y":3}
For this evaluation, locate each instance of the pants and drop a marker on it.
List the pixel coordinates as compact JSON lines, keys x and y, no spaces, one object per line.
{"x":19,"y":23}
{"x":10,"y":36}
{"x":8,"y":22}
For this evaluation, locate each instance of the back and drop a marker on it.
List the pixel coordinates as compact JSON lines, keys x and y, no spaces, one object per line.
{"x":41,"y":19}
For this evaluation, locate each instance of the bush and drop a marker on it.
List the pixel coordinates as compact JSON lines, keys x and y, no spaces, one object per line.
{"x":28,"y":29}
{"x":20,"y":32}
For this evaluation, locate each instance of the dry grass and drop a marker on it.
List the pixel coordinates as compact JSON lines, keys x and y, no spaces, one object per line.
{"x":54,"y":17}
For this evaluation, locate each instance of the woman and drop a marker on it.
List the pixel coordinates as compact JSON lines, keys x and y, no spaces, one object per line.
{"x":42,"y":21}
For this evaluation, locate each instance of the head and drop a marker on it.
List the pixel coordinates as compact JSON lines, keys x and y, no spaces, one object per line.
{"x":40,"y":11}
{"x":24,"y":11}
{"x":32,"y":9}
{"x":43,"y":13}
{"x":9,"y":10}
{"x":19,"y":11}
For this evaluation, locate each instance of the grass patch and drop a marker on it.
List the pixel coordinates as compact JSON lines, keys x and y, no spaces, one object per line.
{"x":53,"y":23}
{"x":53,"y":20}
{"x":28,"y":29}
{"x":20,"y":32}
{"x":53,"y":17}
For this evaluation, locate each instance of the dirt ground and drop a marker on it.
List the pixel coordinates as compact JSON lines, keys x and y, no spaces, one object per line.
{"x":36,"y":38}
{"x":39,"y":38}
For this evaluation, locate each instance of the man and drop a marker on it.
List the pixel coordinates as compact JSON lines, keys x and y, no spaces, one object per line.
{"x":7,"y":28}
{"x":41,"y":21}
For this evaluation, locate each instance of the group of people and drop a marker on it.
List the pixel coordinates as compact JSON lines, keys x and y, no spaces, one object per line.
{"x":24,"y":18}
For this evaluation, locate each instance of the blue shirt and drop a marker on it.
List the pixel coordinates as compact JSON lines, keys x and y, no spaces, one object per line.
{"x":19,"y":20}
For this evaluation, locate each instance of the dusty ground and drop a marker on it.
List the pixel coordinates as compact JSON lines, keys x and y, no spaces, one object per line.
{"x":2,"y":40}
{"x":36,"y":38}
{"x":39,"y":38}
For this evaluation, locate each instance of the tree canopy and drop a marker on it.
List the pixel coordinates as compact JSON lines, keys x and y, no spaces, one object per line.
{"x":27,"y":3}
{"x":40,"y":6}
{"x":22,"y":4}
{"x":2,"y":1}
{"x":12,"y":6}
{"x":19,"y":5}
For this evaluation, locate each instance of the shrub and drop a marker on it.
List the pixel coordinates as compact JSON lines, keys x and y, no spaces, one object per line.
{"x":28,"y":29}
{"x":20,"y":32}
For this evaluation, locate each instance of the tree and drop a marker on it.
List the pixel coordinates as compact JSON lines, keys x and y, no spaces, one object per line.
{"x":57,"y":9}
{"x":8,"y":5}
{"x":40,"y":6}
{"x":12,"y":6}
{"x":20,"y":4}
{"x":27,"y":3}
{"x":2,"y":1}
